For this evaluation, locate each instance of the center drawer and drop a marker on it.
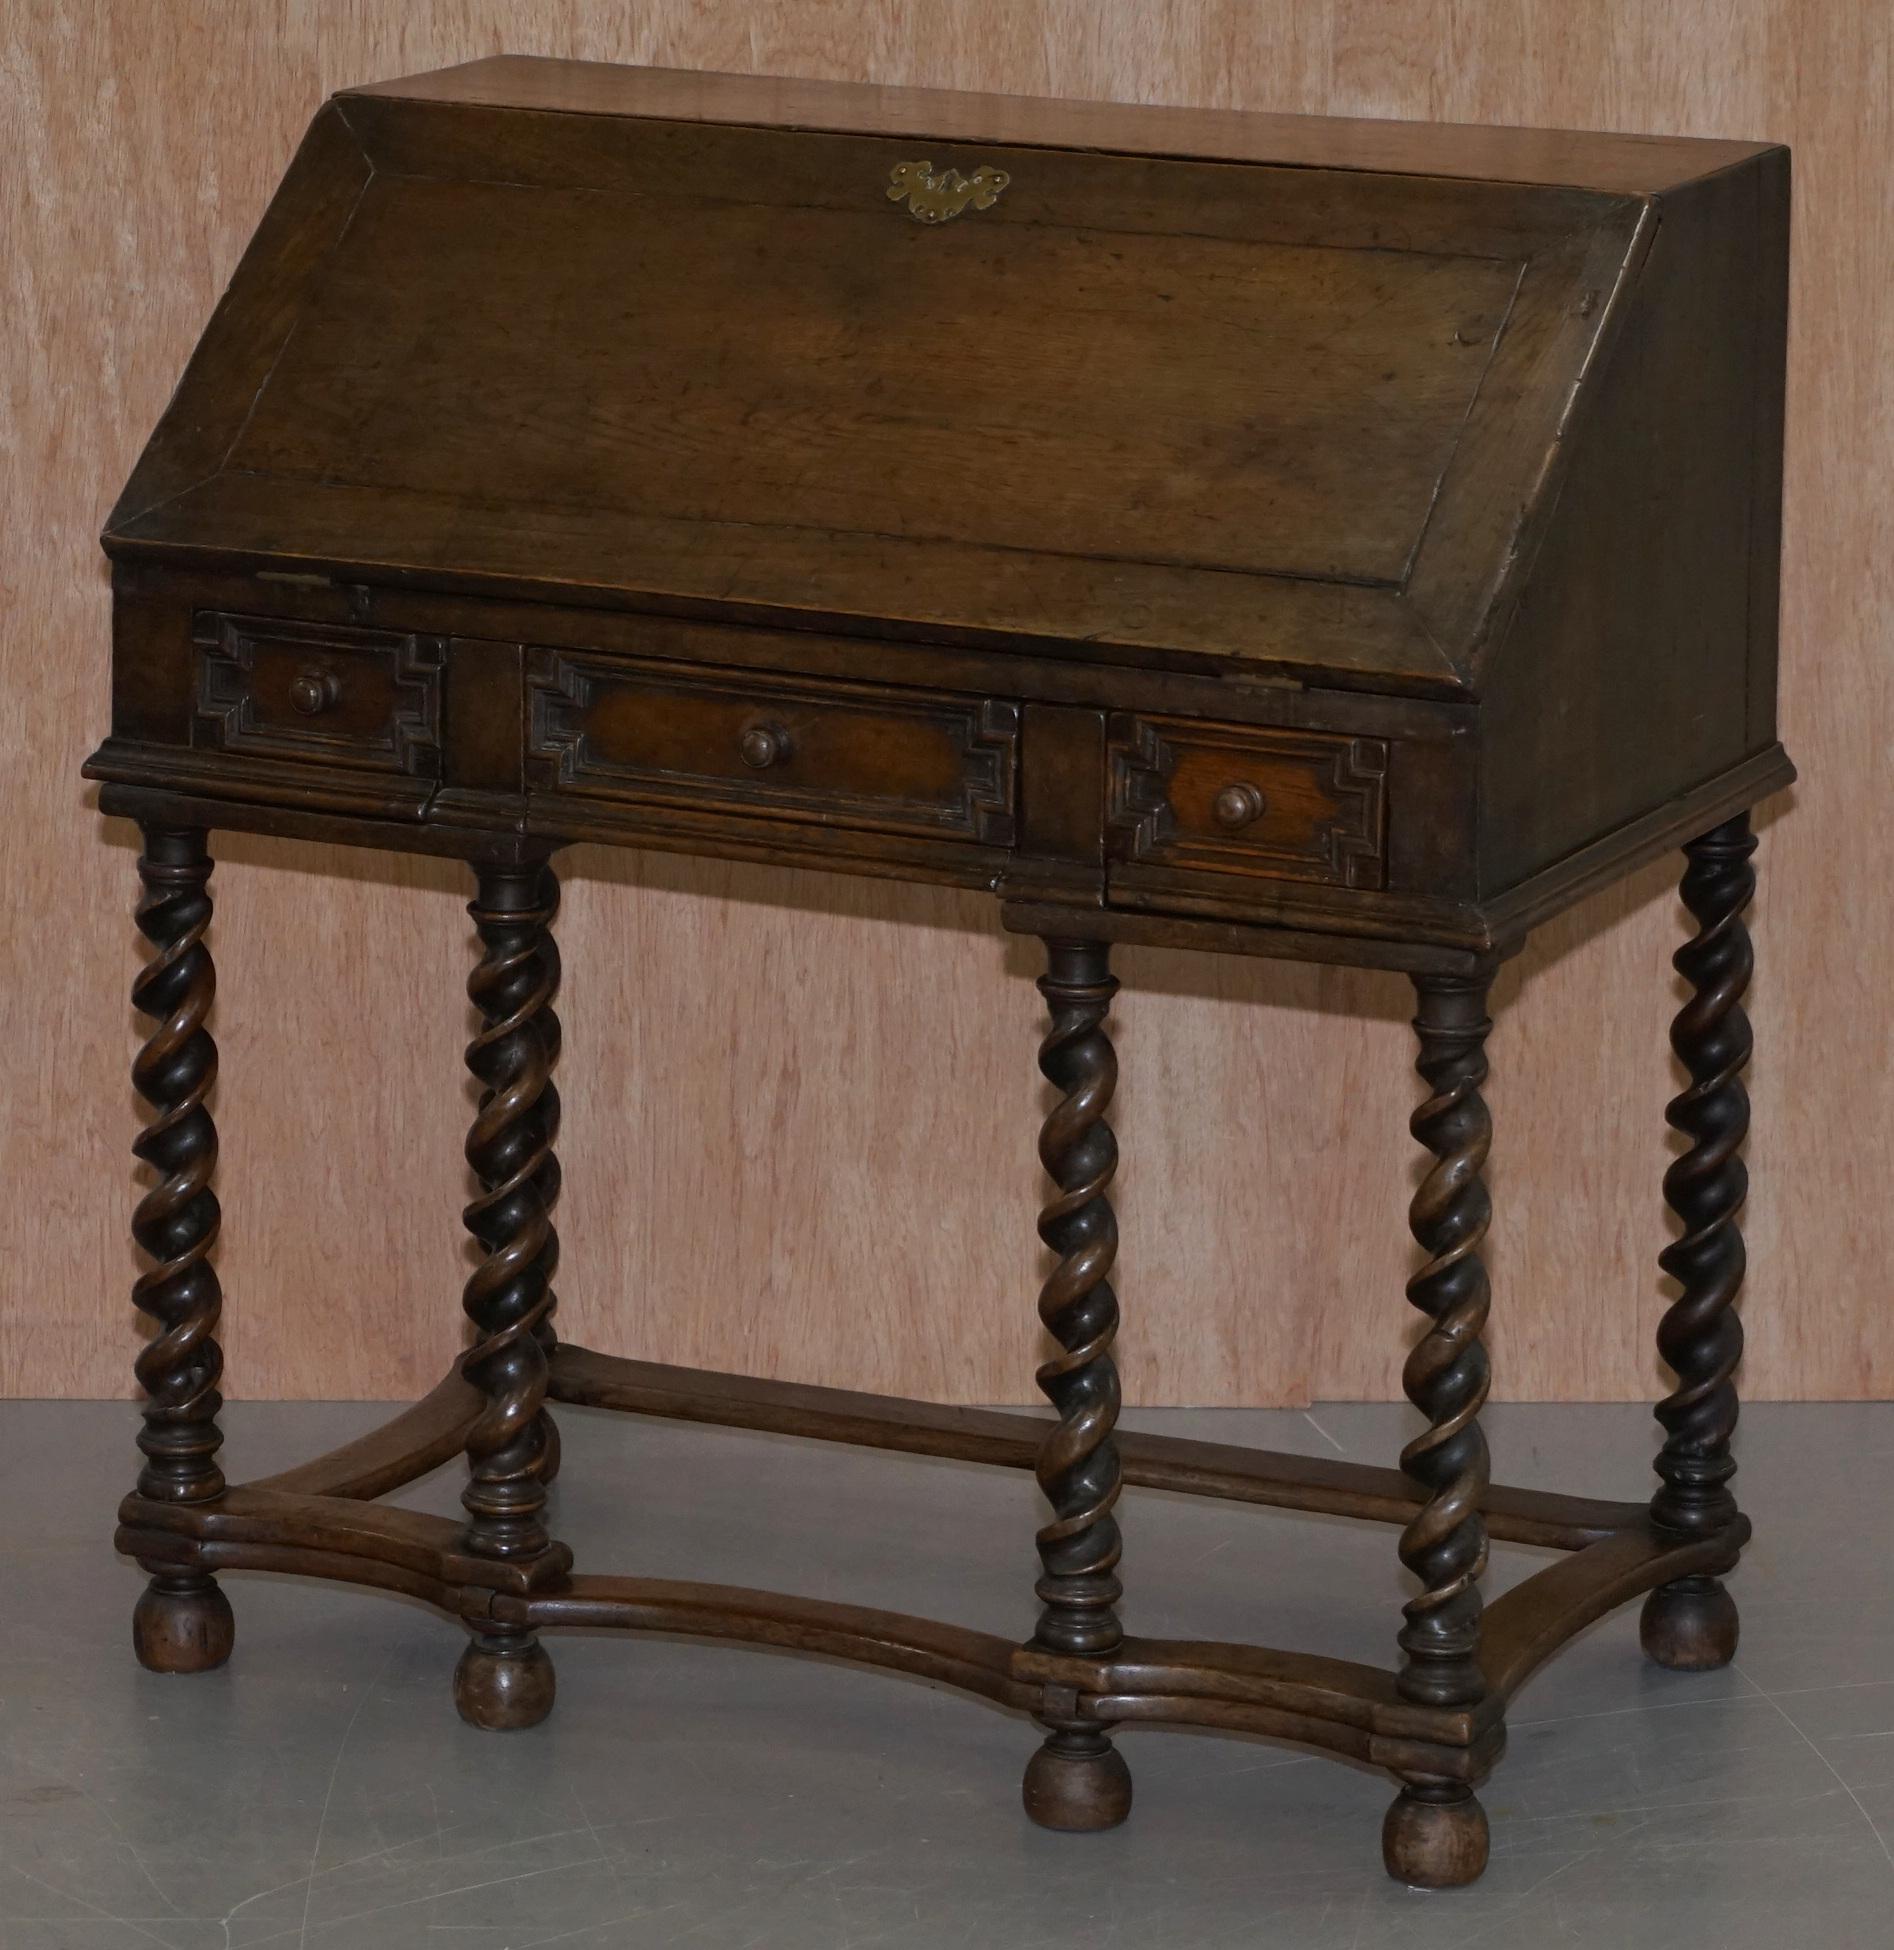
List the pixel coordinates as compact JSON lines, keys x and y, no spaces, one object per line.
{"x":742,"y":741}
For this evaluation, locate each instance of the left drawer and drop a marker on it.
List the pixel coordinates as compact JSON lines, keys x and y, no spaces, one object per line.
{"x":319,"y":693}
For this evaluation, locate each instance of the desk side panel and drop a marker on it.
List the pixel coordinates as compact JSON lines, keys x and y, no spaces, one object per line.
{"x":1640,"y":661}
{"x":280,"y":268}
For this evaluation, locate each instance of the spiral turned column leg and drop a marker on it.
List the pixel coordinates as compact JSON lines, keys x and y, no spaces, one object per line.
{"x":505,"y":1678}
{"x":1436,"y":1835}
{"x":1691,"y":1625}
{"x":182,"y":1623}
{"x":1078,"y":1779}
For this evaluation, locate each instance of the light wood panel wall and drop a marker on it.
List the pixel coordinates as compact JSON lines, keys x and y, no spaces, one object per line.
{"x":852,"y":1197}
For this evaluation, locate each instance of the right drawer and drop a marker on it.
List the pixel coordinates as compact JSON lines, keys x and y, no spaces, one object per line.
{"x":1247,"y":800}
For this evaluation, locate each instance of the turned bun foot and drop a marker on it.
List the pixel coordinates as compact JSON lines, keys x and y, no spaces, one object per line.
{"x":1689,"y":1626}
{"x":1077,"y":1783}
{"x":1434,"y":1841}
{"x":501,"y":1684}
{"x":183,"y":1624}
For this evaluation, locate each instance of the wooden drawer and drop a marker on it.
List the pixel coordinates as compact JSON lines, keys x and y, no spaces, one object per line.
{"x":321,"y":693}
{"x":735,"y":741}
{"x":1240,"y":799}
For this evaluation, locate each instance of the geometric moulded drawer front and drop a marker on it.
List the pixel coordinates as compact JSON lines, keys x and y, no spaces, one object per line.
{"x":321,"y":693}
{"x":1237,"y":799}
{"x":912,"y":762}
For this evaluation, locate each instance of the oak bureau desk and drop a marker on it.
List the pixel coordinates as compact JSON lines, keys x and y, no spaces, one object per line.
{"x":1321,"y":539}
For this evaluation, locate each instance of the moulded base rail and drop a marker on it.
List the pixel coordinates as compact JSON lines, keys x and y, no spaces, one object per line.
{"x":320,"y":1520}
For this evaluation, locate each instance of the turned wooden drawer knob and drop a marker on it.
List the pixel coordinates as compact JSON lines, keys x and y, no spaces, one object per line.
{"x":762,"y":746}
{"x":313,"y":692}
{"x":1238,"y":806}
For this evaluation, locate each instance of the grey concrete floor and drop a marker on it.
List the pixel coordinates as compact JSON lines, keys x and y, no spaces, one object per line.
{"x":320,"y":1791}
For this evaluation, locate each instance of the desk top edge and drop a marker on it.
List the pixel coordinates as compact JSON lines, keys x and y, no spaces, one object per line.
{"x":1636,"y":165}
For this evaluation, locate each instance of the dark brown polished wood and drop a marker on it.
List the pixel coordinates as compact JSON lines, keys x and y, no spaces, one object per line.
{"x":1078,"y":1779}
{"x":1691,"y":1625}
{"x":183,"y":1622}
{"x":1333,"y":541}
{"x":1436,"y":1831}
{"x":505,"y":1677}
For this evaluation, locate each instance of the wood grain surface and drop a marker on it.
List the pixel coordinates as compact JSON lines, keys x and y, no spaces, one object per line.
{"x":854,"y":1201}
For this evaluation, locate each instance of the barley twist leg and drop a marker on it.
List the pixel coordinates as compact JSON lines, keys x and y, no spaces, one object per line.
{"x":182,"y":1623}
{"x":1436,"y":1833}
{"x":1691,"y":1624}
{"x":505,"y":1678}
{"x":1078,"y":1779}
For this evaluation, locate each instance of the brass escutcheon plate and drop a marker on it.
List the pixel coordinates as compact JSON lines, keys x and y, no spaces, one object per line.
{"x":935,"y":196}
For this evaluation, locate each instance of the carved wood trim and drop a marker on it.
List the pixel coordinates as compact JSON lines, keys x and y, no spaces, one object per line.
{"x":565,"y":689}
{"x":406,"y":738}
{"x":1446,"y":1375}
{"x":1346,"y":846}
{"x":177,"y":1220}
{"x":508,"y":1297}
{"x":1701,"y":1334}
{"x":1136,"y":802}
